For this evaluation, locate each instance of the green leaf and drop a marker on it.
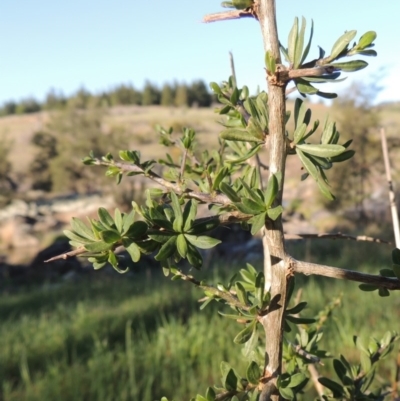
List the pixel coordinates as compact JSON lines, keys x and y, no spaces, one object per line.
{"x":346,"y":155}
{"x":181,"y":245}
{"x":229,"y":192}
{"x":388,"y":272}
{"x":246,"y":156}
{"x":286,"y":393}
{"x":372,"y":53}
{"x":361,"y":344}
{"x":299,"y":133}
{"x":396,"y":256}
{"x":299,"y":45}
{"x":396,"y":270}
{"x":82,"y":229}
{"x":292,"y":41}
{"x":233,"y":134}
{"x":307,"y":49}
{"x":245,"y":334}
{"x":134,"y":252}
{"x":128,"y":220}
{"x":271,"y":190}
{"x":253,"y":206}
{"x":367,"y":287}
{"x":118,"y":220}
{"x":176,"y":207}
{"x":323,"y":187}
{"x":383,"y":292}
{"x":105,"y":218}
{"x":202,"y":241}
{"x":253,"y":373}
{"x":305,"y":87}
{"x":296,"y":380}
{"x":99,"y":246}
{"x":241,"y":293}
{"x":137,"y":229}
{"x":335,"y":387}
{"x":204,"y":226}
{"x":366,"y":40}
{"x":189,"y":214}
{"x":210,"y":394}
{"x":340,"y":369}
{"x":341,"y":44}
{"x":328,"y":133}
{"x":296,"y":309}
{"x":194,"y":257}
{"x":77,"y":238}
{"x":350,"y":66}
{"x":110,"y":236}
{"x":215,"y":88}
{"x":257,"y":222}
{"x":230,"y":381}
{"x":275,"y":212}
{"x":167,"y":249}
{"x":308,"y":164}
{"x":321,"y":150}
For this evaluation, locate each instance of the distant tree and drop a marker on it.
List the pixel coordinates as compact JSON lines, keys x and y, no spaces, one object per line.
{"x":199,"y":94}
{"x":81,"y":99}
{"x":9,"y":107}
{"x":7,"y":184}
{"x":151,"y":94}
{"x":54,"y":100}
{"x":28,"y":105}
{"x":181,"y":95}
{"x":167,"y":95}
{"x":125,"y":95}
{"x":40,"y":168}
{"x":74,"y":131}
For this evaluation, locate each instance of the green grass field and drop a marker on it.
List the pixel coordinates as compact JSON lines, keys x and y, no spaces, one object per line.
{"x":139,"y":337}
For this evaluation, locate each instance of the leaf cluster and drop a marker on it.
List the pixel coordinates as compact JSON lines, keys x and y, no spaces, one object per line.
{"x":297,"y":52}
{"x":355,"y":381}
{"x":317,"y":158}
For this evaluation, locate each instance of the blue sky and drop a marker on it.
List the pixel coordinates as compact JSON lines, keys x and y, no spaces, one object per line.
{"x":98,"y":44}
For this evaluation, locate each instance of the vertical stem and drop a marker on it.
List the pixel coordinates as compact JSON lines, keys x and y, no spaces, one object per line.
{"x":392,"y":197}
{"x":274,"y":240}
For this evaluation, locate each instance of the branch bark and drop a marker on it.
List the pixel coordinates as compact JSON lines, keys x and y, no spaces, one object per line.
{"x":392,"y":196}
{"x":343,"y":274}
{"x":335,"y":236}
{"x":228,"y":15}
{"x":274,"y":246}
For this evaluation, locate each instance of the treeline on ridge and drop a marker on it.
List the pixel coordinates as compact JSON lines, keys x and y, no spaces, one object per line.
{"x":176,"y":94}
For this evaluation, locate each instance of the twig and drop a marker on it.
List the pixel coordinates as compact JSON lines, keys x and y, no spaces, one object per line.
{"x":67,"y":255}
{"x":337,"y":273}
{"x":302,"y":352}
{"x":229,"y":297}
{"x":334,"y":236}
{"x":200,"y":196}
{"x":224,"y":219}
{"x":392,"y":196}
{"x":309,"y":72}
{"x":314,"y":377}
{"x":229,"y":15}
{"x":311,"y":368}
